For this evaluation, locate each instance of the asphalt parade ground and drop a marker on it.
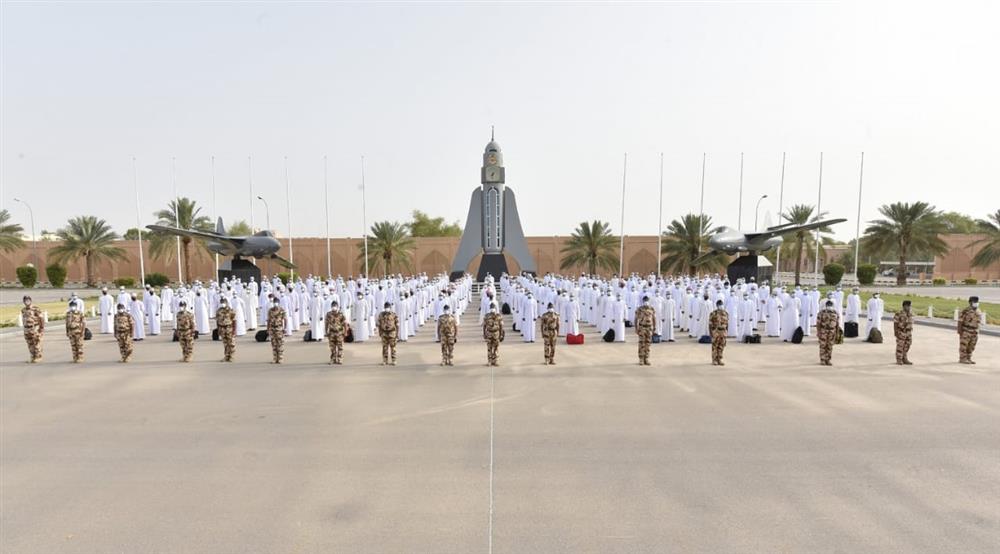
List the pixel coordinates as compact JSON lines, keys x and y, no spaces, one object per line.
{"x":770,"y":453}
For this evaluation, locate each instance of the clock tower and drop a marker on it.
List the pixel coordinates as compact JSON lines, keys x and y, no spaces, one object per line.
{"x":493,"y":225}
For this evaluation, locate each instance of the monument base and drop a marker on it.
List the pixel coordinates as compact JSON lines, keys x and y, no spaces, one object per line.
{"x":745,"y":267}
{"x":239,"y":268}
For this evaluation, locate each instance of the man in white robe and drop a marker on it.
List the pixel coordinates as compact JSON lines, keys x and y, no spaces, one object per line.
{"x":667,"y":320}
{"x":239,"y":311}
{"x":359,"y":319}
{"x":317,"y":315}
{"x":166,"y":304}
{"x":805,"y":311}
{"x":529,"y":315}
{"x":250,"y":310}
{"x":151,"y":304}
{"x":789,"y":318}
{"x":746,"y":309}
{"x":124,"y":298}
{"x":201,"y":323}
{"x":106,"y":309}
{"x":853,"y":313}
{"x":774,"y":306}
{"x":733,"y":309}
{"x":619,"y":311}
{"x":138,"y":318}
{"x":876,"y":308}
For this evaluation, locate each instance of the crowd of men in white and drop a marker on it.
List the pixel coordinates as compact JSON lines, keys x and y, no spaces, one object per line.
{"x":306,"y":302}
{"x":682,"y":304}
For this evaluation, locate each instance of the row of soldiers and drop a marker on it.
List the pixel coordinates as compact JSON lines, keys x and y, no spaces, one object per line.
{"x":337,"y":326}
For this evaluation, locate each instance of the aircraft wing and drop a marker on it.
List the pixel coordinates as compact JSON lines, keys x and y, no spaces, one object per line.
{"x":705,"y":256}
{"x":235,"y":241}
{"x":789,"y":228}
{"x":282,"y":262}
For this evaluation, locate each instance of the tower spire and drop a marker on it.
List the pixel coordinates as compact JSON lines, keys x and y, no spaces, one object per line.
{"x":491,"y":132}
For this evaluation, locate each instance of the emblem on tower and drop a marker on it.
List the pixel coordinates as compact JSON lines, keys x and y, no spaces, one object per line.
{"x":493,"y":226}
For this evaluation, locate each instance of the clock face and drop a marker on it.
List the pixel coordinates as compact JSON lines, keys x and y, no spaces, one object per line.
{"x":492,"y":159}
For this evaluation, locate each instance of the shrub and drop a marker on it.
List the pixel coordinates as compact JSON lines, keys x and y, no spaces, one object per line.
{"x":27,"y":275}
{"x":970,"y":281}
{"x":285,"y":277}
{"x":56,"y":274}
{"x":127,"y":282}
{"x":866,"y":274}
{"x":939,"y":281}
{"x":157,"y":280}
{"x":833,"y":273}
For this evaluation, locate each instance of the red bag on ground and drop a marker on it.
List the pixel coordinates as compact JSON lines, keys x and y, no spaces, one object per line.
{"x":574,"y":339}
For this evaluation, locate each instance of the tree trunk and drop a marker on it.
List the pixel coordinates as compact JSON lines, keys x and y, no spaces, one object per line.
{"x":89,"y":260}
{"x":901,"y":270}
{"x":592,"y":265}
{"x":798,"y":260}
{"x":187,"y":258}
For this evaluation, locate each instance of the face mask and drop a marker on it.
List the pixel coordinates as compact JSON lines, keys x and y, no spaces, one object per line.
{"x":975,"y":305}
{"x":121,"y":310}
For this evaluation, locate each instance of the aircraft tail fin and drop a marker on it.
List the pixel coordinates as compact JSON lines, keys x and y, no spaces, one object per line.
{"x":219,"y":227}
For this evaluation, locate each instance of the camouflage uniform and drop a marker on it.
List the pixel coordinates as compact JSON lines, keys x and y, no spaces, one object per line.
{"x":336,"y":328}
{"x":902,"y":326}
{"x":184,"y":327}
{"x":718,"y":326}
{"x":276,"y":332}
{"x":225,"y":321}
{"x":34,"y":326}
{"x":388,"y":330}
{"x":826,"y":332}
{"x":550,"y":330}
{"x":448,"y":333}
{"x":645,"y":323}
{"x":124,"y":327}
{"x":968,"y":334}
{"x":494,"y":334}
{"x":75,"y":326}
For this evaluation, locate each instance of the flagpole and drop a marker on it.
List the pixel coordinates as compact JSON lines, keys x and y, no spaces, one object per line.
{"x":250,"y":181}
{"x":819,"y":198}
{"x":739,"y":211}
{"x":621,"y":247}
{"x":215,"y":208}
{"x":288,"y":212}
{"x":364,"y":215}
{"x":701,"y":204}
{"x":177,"y":215}
{"x":138,"y":222}
{"x":659,"y":228}
{"x":781,"y":200}
{"x":857,"y":231}
{"x":326,"y":207}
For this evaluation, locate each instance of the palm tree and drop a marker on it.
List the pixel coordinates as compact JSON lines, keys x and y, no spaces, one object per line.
{"x":239,"y":228}
{"x":89,"y":238}
{"x":10,"y":233}
{"x":164,"y":244}
{"x":593,"y":245}
{"x":389,"y":245}
{"x":990,"y":252}
{"x":910,"y":228}
{"x":683,"y":243}
{"x":803,"y":241}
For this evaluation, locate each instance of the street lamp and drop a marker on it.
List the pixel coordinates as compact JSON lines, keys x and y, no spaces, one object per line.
{"x":756,"y":211}
{"x":31,"y":213}
{"x":267,"y":212}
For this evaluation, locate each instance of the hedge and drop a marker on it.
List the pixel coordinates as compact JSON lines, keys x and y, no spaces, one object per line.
{"x":157,"y":280}
{"x":127,"y":282}
{"x":833,"y":273}
{"x":27,"y":275}
{"x":866,"y":274}
{"x":56,"y":274}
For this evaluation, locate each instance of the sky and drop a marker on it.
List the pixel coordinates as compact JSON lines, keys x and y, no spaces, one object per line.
{"x":570,"y":87}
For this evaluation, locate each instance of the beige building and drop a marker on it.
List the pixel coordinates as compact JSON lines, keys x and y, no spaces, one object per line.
{"x":434,"y":255}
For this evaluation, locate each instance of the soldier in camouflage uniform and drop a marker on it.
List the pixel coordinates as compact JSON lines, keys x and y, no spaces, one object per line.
{"x":718,"y":326}
{"x":388,"y":330}
{"x":184,"y":327}
{"x":447,"y":329}
{"x":826,"y":332}
{"x":645,"y":323}
{"x":124,"y":327}
{"x":968,"y":331}
{"x":335,"y":330}
{"x":550,"y":331}
{"x":33,"y":321}
{"x":276,"y":329}
{"x":75,"y":328}
{"x":902,"y":326}
{"x":225,"y":321}
{"x":494,"y":334}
